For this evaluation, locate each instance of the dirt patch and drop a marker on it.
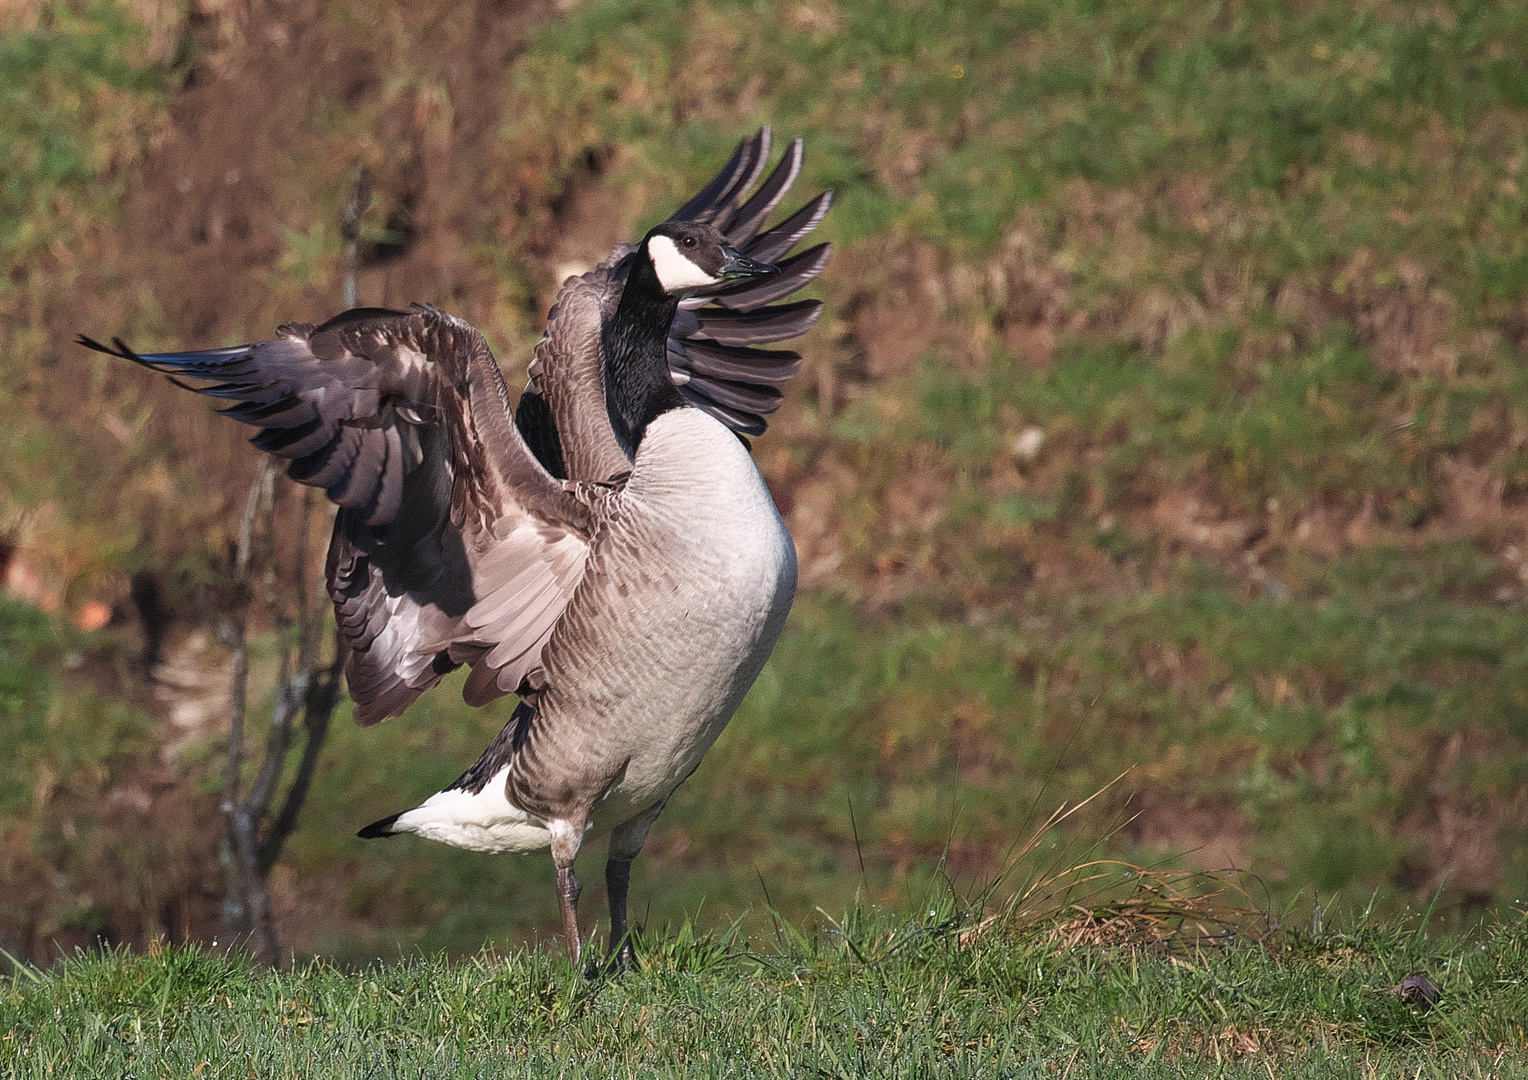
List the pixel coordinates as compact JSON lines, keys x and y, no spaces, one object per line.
{"x":223,"y":234}
{"x":1405,"y":321}
{"x":1197,"y":522}
{"x":243,"y":164}
{"x":1031,"y":294}
{"x":895,"y":312}
{"x":1209,"y":834}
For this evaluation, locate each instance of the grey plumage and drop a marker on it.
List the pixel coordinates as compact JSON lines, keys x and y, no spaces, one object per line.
{"x":629,"y":590}
{"x":452,"y":545}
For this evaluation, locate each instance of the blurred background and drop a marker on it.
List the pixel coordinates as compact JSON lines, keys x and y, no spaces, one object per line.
{"x":1168,"y":414}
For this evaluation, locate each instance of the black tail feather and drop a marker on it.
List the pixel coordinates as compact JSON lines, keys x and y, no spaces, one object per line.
{"x":378,"y":829}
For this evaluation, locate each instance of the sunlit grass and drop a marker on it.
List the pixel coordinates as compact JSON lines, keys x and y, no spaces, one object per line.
{"x":1265,"y":546}
{"x":867,"y":995}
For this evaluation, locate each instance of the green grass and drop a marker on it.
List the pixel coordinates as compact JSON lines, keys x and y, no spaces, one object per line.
{"x":72,"y":98}
{"x":79,"y":105}
{"x":874,"y":996}
{"x":65,"y":747}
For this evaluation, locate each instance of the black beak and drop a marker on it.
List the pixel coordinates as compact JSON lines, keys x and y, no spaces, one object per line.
{"x":736,"y":265}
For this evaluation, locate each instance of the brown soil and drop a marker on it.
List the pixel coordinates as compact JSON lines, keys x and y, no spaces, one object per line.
{"x":245,"y":161}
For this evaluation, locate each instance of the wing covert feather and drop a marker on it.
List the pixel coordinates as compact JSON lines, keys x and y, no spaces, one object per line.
{"x":566,"y":378}
{"x":403,"y":419}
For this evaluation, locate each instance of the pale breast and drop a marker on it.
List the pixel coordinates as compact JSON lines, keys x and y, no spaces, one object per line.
{"x":687,"y":589}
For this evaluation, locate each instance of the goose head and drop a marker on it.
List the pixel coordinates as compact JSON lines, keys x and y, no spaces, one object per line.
{"x":689,"y":255}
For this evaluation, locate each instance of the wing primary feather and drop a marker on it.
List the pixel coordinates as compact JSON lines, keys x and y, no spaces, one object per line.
{"x":736,"y":176}
{"x":751,"y":214}
{"x":727,"y":206}
{"x":261,"y":393}
{"x":326,"y":465}
{"x":283,"y":440}
{"x":705,"y":199}
{"x":757,"y":327}
{"x":120,"y":349}
{"x":533,"y":416}
{"x":795,"y":273}
{"x":269,"y":414}
{"x":356,"y":488}
{"x":767,"y":366}
{"x":761,"y":400}
{"x":744,"y":423}
{"x":769,"y":246}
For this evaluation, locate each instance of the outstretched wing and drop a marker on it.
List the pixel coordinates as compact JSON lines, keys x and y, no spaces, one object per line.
{"x":452,"y":544}
{"x":713,"y":354}
{"x":712,"y":345}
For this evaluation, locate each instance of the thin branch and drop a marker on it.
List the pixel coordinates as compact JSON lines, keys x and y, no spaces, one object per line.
{"x":278,"y":740}
{"x":233,"y":631}
{"x":246,"y":906}
{"x":350,"y":228}
{"x":322,"y":698}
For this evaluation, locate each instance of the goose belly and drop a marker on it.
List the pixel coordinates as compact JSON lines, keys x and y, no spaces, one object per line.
{"x":687,"y":590}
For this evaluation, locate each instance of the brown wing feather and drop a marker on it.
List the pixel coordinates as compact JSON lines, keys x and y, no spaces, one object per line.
{"x":452,"y":544}
{"x":568,"y":375}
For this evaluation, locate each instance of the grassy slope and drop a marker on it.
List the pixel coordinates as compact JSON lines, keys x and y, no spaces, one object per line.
{"x":78,"y":106}
{"x":1254,"y":275}
{"x":1285,"y":256}
{"x":1256,"y":278}
{"x":884,"y":999}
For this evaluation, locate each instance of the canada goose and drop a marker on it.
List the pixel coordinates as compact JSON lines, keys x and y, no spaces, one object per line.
{"x":607,"y":551}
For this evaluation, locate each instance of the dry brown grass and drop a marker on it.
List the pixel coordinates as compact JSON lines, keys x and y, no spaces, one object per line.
{"x":1110,"y":903}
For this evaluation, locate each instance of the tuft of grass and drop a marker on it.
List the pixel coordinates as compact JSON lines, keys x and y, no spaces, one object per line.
{"x":1073,"y":901}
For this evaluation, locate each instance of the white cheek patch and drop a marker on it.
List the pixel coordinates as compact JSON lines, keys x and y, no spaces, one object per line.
{"x":676,"y":272}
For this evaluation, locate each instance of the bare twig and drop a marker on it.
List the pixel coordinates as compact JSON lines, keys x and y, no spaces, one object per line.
{"x":233,"y":630}
{"x":350,"y":228}
{"x":240,"y":917}
{"x":306,"y":687}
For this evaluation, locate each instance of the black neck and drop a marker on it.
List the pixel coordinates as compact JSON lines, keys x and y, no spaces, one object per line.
{"x":638,"y":388}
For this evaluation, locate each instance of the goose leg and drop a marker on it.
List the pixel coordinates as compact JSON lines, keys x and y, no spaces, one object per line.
{"x":617,"y":884}
{"x":625,"y":845}
{"x":567,"y":838}
{"x":568,"y":888}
